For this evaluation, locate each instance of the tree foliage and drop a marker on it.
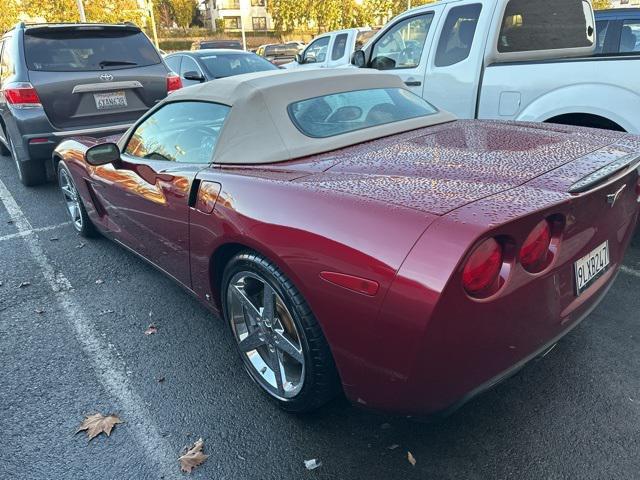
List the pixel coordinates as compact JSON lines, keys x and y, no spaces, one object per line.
{"x":601,"y":4}
{"x":183,"y":11}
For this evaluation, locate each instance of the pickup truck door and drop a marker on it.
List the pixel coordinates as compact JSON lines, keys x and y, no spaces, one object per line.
{"x":453,"y":72}
{"x":403,"y":48}
{"x":315,"y":55}
{"x":340,"y":51}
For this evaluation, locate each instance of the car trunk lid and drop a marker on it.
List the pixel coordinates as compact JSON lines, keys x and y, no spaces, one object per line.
{"x":94,"y":75}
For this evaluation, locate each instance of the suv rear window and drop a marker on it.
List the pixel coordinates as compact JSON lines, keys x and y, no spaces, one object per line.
{"x":80,"y":50}
{"x":339,"y":113}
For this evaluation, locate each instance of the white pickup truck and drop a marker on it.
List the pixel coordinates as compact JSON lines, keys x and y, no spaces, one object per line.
{"x":331,"y":49}
{"x":528,"y":60}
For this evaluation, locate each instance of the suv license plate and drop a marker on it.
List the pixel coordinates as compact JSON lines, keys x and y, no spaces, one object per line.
{"x":109,"y":100}
{"x":591,"y":266}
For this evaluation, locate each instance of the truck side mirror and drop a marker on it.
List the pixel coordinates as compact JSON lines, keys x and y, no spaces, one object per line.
{"x":298,"y":58}
{"x":358,"y":59}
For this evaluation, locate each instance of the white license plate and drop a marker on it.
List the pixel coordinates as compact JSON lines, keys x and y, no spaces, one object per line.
{"x":106,"y":101}
{"x":591,"y":266}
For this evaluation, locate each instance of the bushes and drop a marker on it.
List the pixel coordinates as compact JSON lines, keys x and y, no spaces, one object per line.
{"x":173,"y":45}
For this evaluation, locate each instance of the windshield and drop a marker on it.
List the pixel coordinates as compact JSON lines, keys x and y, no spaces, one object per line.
{"x":229,"y":64}
{"x":340,"y":113}
{"x":82,"y":50}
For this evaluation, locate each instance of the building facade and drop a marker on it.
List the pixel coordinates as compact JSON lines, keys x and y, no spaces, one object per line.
{"x":234,"y":14}
{"x":625,"y":3}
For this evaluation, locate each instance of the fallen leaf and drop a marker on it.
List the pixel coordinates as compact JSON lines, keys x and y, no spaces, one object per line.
{"x":9,"y":222}
{"x":24,"y":284}
{"x":151,"y":329}
{"x":99,"y":281}
{"x":105,"y":312}
{"x":53,"y":239}
{"x":97,"y":423}
{"x":80,"y":245}
{"x":411,"y":459}
{"x":161,"y":379}
{"x":39,"y":311}
{"x":193,"y":457}
{"x":312,"y":464}
{"x":393,"y":447}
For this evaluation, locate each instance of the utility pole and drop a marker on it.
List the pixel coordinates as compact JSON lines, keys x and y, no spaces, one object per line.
{"x":244,"y":38}
{"x":153,"y":23}
{"x":213,"y":21}
{"x":83,"y":18}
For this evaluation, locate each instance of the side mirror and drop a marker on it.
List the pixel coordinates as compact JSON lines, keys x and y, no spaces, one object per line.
{"x":102,"y":154}
{"x":193,"y":75}
{"x":358,"y":59}
{"x":298,"y":58}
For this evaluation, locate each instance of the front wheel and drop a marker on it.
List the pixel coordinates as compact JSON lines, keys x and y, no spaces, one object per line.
{"x":79,"y":217}
{"x":281,"y":344}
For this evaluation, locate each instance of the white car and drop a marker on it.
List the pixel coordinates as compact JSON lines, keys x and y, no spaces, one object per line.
{"x":528,"y":60}
{"x":331,"y":50}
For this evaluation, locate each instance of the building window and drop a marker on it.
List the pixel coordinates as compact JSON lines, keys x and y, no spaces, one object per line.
{"x":258,"y":3}
{"x":232,"y":22}
{"x":230,"y":4}
{"x":259,"y":23}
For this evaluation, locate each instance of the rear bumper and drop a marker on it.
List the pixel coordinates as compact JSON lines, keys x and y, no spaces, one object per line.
{"x":35,"y":138}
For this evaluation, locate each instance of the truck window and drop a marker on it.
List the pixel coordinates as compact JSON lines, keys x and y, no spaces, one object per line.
{"x":316,"y":51}
{"x":601,"y":35}
{"x":530,"y":25}
{"x":630,"y":36}
{"x":401,"y":46}
{"x":457,"y":35}
{"x":339,"y":46}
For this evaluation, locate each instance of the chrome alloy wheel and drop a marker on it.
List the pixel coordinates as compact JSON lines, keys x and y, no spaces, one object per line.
{"x":71,"y":199}
{"x":267,"y":337}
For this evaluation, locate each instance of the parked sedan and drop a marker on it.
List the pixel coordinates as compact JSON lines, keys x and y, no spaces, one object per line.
{"x":205,"y":65}
{"x":352,"y":235}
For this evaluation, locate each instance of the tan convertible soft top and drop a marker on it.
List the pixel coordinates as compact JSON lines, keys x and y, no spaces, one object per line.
{"x":258,"y":128}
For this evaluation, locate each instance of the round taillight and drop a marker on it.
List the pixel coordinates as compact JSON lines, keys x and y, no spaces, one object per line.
{"x":534,"y":254}
{"x":481,"y":274}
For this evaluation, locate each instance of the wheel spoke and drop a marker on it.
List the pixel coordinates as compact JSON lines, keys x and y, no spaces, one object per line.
{"x":69,"y":193}
{"x":272,"y":359}
{"x":251,"y":341}
{"x":267,"y":303}
{"x":248,"y":307}
{"x":285,"y":345}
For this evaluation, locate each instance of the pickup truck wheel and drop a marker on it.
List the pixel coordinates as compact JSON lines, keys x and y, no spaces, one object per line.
{"x":30,"y":172}
{"x":281,"y":344}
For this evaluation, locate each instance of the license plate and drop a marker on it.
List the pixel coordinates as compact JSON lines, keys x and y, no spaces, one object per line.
{"x":591,"y":266}
{"x":109,"y":100}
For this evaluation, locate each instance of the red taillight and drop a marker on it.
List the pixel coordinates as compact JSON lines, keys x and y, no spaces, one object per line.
{"x":481,"y":274}
{"x":534,"y":253}
{"x":173,"y":83}
{"x":21,"y":95}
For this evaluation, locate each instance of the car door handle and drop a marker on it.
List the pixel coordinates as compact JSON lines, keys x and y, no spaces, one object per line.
{"x":413,"y":83}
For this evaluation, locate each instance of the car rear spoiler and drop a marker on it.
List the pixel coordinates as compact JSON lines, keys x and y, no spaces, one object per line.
{"x":586,"y":183}
{"x":75,"y":27}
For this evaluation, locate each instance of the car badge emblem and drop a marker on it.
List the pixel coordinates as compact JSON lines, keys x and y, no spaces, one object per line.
{"x":106,"y":77}
{"x":612,"y":198}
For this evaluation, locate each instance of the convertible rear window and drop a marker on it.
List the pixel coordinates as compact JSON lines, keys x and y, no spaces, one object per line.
{"x":339,"y":113}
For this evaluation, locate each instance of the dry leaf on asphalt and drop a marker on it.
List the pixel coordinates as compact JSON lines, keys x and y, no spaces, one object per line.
{"x":151,"y":329}
{"x":193,"y":457}
{"x":411,"y":459}
{"x":24,"y":284}
{"x":99,"y":281}
{"x":97,"y":423}
{"x":39,"y":311}
{"x":312,"y":464}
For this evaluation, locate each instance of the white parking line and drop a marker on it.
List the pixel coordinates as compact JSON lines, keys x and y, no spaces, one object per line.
{"x":110,"y":372}
{"x":19,"y":234}
{"x":630,"y":271}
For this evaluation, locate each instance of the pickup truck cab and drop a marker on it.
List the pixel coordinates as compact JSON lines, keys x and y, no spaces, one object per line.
{"x":331,"y":49}
{"x":527,"y":60}
{"x":618,"y":31}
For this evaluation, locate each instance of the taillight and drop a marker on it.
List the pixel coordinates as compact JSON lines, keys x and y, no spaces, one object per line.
{"x":534,"y":254}
{"x":21,"y":95}
{"x":173,"y":83}
{"x":481,"y":274}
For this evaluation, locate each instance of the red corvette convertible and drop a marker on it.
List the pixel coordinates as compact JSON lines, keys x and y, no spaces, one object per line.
{"x":354,"y":237}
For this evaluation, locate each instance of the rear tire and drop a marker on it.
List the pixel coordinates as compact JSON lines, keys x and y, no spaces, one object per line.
{"x":305,"y":383}
{"x":30,"y":172}
{"x":78,"y":214}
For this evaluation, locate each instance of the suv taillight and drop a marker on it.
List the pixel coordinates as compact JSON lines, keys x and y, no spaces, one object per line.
{"x":481,"y":274}
{"x":21,"y":95}
{"x":173,"y":83}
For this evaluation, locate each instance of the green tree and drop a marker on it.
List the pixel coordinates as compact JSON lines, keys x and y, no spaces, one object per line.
{"x":183,"y":11}
{"x":601,"y":4}
{"x":163,"y":11}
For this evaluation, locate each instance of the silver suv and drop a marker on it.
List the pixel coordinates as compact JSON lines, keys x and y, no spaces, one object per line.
{"x":64,"y":80}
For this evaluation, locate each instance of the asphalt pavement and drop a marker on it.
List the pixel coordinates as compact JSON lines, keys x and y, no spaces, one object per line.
{"x":72,"y":318}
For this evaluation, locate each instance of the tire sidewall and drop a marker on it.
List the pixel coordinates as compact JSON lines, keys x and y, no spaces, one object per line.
{"x":252,"y":262}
